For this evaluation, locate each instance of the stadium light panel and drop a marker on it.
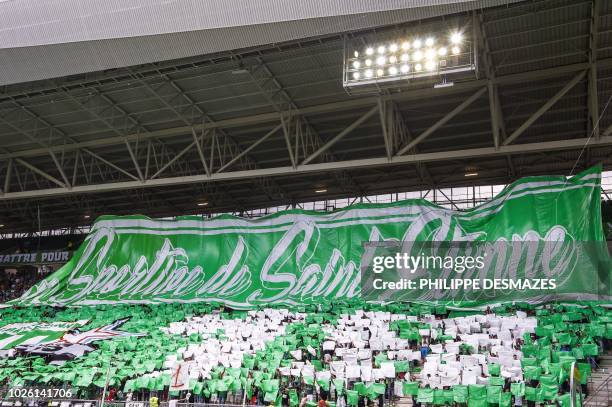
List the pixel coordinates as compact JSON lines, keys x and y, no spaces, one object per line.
{"x":406,"y":57}
{"x":443,"y":85}
{"x":456,"y":38}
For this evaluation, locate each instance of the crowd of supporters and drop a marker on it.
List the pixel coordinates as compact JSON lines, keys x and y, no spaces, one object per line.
{"x":17,"y":279}
{"x":14,"y":282}
{"x":562,"y":335}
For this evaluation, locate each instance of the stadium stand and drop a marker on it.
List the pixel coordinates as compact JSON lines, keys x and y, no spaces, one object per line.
{"x":347,"y":354}
{"x":195,"y":195}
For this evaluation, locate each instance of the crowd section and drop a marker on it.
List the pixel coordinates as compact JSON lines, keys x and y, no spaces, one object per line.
{"x":16,"y":279}
{"x":336,"y":355}
{"x":14,"y":283}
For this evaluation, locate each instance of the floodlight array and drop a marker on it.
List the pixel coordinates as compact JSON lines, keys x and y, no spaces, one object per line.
{"x":406,"y":58}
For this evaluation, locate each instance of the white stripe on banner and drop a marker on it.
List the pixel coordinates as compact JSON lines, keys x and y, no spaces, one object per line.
{"x":263,"y":225}
{"x":35,"y":340}
{"x":396,"y":219}
{"x":6,"y":341}
{"x":363,"y":221}
{"x":500,"y":207}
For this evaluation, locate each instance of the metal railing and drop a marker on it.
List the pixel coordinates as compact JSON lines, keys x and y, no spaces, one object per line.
{"x":56,"y":403}
{"x":166,"y":404}
{"x":97,"y":403}
{"x":601,"y":395}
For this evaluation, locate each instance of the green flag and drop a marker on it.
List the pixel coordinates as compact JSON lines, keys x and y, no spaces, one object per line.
{"x":538,"y":207}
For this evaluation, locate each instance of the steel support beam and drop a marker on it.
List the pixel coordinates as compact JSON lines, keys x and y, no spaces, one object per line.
{"x":592,"y":90}
{"x":274,"y":117}
{"x":341,"y":135}
{"x":305,"y":134}
{"x":200,"y":152}
{"x":544,"y":108}
{"x":7,"y":177}
{"x":41,"y":173}
{"x":75,"y":168}
{"x":494,"y":105}
{"x":442,"y":121}
{"x":110,"y":164}
{"x":176,"y":157}
{"x":494,"y":115}
{"x":33,"y":137}
{"x":134,"y":160}
{"x":59,"y":168}
{"x":286,"y":123}
{"x":571,"y":144}
{"x":249,"y":148}
{"x":382,"y":110}
{"x":227,"y":142}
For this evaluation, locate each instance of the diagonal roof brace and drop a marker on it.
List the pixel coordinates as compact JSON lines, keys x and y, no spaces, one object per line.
{"x":442,"y":121}
{"x":41,"y":173}
{"x":341,"y":135}
{"x":545,"y":107}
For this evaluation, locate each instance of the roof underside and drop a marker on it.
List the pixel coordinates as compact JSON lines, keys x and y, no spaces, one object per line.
{"x":62,"y":140}
{"x":72,"y":36}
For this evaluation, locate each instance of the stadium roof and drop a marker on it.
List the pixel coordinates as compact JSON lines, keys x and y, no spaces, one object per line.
{"x":243,"y":123}
{"x":73,"y":37}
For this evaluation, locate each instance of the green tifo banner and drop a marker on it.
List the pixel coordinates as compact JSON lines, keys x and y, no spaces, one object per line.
{"x":33,"y":333}
{"x":297,"y":257}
